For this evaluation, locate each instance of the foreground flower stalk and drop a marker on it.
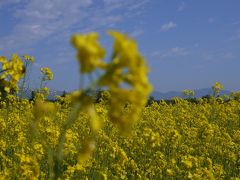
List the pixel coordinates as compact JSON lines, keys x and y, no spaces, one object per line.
{"x":124,"y":76}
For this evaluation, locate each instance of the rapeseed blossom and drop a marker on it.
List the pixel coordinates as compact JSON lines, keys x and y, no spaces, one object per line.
{"x":12,"y":71}
{"x":127,"y":67}
{"x":89,"y":52}
{"x":217,"y":87}
{"x":184,"y":140}
{"x":29,"y":58}
{"x":47,"y":73}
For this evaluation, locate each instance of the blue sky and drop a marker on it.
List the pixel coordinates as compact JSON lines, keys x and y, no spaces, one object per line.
{"x":187,"y":44}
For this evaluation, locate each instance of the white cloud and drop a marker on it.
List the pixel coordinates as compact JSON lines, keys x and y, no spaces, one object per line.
{"x":168,"y":26}
{"x":173,"y":52}
{"x":182,"y":6}
{"x":39,"y":20}
{"x":138,"y":5}
{"x":57,"y":19}
{"x":134,"y":6}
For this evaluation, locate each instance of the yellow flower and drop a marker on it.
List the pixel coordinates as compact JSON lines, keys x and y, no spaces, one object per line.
{"x":187,"y":164}
{"x":89,"y":52}
{"x":12,"y":71}
{"x":42,"y":108}
{"x":217,"y":88}
{"x":169,"y":172}
{"x":47,"y":73}
{"x":29,"y":58}
{"x":7,"y":89}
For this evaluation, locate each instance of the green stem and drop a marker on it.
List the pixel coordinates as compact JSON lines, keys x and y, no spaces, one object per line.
{"x":24,"y":80}
{"x":58,"y":156}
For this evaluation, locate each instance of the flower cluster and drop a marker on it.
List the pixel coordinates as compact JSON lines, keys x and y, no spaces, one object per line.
{"x":188,"y":93}
{"x":47,"y":74}
{"x":127,"y":80}
{"x":89,"y":51}
{"x":29,"y":58}
{"x":12,"y":71}
{"x":125,"y":76}
{"x":217,"y":87}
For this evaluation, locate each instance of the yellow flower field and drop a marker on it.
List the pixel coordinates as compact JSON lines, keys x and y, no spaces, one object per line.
{"x":118,"y":137}
{"x":184,"y":140}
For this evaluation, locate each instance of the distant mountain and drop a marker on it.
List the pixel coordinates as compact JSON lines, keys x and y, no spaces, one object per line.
{"x":27,"y":93}
{"x":198,"y":93}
